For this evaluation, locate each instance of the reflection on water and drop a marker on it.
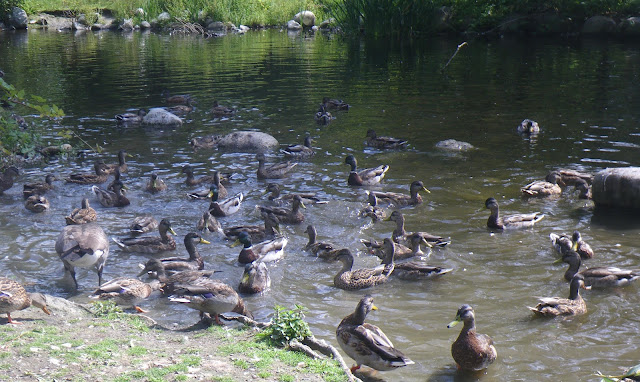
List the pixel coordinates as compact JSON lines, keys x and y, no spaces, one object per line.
{"x":582,"y":94}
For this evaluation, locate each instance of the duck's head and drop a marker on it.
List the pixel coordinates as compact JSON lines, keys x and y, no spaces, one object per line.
{"x":39,"y":301}
{"x":244,"y":239}
{"x":344,"y":255}
{"x":273,"y":188}
{"x":365,"y":306}
{"x":50,"y":178}
{"x":371,"y":134}
{"x":194,"y":238}
{"x":491,"y":204}
{"x":555,"y":178}
{"x":417,"y":185}
{"x":152,"y":266}
{"x":187,"y":169}
{"x":307,"y":141}
{"x":465,"y":314}
{"x":351,"y":160}
{"x":165,"y":225}
{"x":213,"y":193}
{"x":260,"y":157}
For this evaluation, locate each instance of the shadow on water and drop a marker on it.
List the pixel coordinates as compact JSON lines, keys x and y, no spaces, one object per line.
{"x":452,"y":374}
{"x":616,"y":218}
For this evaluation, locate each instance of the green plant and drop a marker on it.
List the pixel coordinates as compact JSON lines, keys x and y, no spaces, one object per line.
{"x":7,"y":5}
{"x":107,"y":309}
{"x":632,"y":373}
{"x":286,"y":325}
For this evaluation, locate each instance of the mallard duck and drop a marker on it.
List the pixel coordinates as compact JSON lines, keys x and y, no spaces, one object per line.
{"x":14,"y":297}
{"x":126,"y":291}
{"x":179,"y":109}
{"x":337,"y":104}
{"x":207,"y":142}
{"x":275,"y":196}
{"x":84,"y":246}
{"x":366,"y":343}
{"x":322,"y":250}
{"x":564,"y":243}
{"x":155,"y":184}
{"x":573,"y":177}
{"x":100,"y":175}
{"x":272,"y":171}
{"x":509,"y":222}
{"x":154,"y":268}
{"x":471,"y":351}
{"x":557,"y":306}
{"x":8,"y":177}
{"x":255,"y":278}
{"x":82,"y":215}
{"x":364,"y":177}
{"x":412,"y":270}
{"x":323,"y":116}
{"x":210,"y":296}
{"x":131,"y":118}
{"x":286,"y":215}
{"x":226,"y":207}
{"x":36,"y":203}
{"x":207,"y":194}
{"x":598,"y":277}
{"x":528,"y":127}
{"x":373,"y":140}
{"x":209,"y":222}
{"x":176,"y":98}
{"x":194,"y":262}
{"x":150,"y":244}
{"x":143,"y":224}
{"x":192,"y":180}
{"x":31,"y":189}
{"x":584,"y":188}
{"x":360,"y":278}
{"x":265,"y":251}
{"x":549,"y":186}
{"x":372,"y":210}
{"x":402,"y":200}
{"x":121,"y":166}
{"x":256,"y":232}
{"x":402,"y":252}
{"x":221,"y":111}
{"x":400,"y":236}
{"x":114,"y":198}
{"x":116,"y":182}
{"x":300,"y":151}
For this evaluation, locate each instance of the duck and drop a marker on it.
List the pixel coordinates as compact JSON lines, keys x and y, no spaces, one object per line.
{"x":257,"y":233}
{"x":322,"y":116}
{"x":180,"y":109}
{"x":285,"y":215}
{"x":210,"y":296}
{"x":272,"y":171}
{"x":114,"y":198}
{"x":403,"y":200}
{"x":155,"y":184}
{"x":373,"y":210}
{"x":584,"y":188}
{"x":126,"y":291}
{"x":598,"y":277}
{"x":471,"y":351}
{"x":557,"y":306}
{"x":130,"y":118}
{"x":364,"y":177}
{"x":176,"y":98}
{"x":206,"y":194}
{"x":388,"y":143}
{"x":150,"y":244}
{"x":402,"y":252}
{"x":495,"y":221}
{"x":265,"y":251}
{"x":194,"y":262}
{"x":322,"y":250}
{"x":412,"y":270}
{"x":209,"y":223}
{"x":39,"y":188}
{"x":274,"y":191}
{"x":143,"y":224}
{"x":36,"y":203}
{"x":349,"y":279}
{"x":100,"y":175}
{"x":155,"y":269}
{"x":226,"y":207}
{"x":84,"y":246}
{"x":528,"y":127}
{"x":303,"y":151}
{"x":255,"y":278}
{"x":121,"y":166}
{"x":9,"y":175}
{"x":192,"y":180}
{"x":336,"y":104}
{"x":14,"y":297}
{"x":549,"y":186}
{"x":84,"y":214}
{"x":400,"y":236}
{"x":366,"y":343}
{"x":573,"y":177}
{"x":218,"y":110}
{"x":564,"y":243}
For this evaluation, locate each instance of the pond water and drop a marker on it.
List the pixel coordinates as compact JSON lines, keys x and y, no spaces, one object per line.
{"x":583,"y":93}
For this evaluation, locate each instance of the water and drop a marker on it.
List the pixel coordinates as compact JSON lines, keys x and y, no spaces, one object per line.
{"x":583,"y":94}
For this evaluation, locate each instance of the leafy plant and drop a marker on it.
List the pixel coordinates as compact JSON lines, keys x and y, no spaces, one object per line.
{"x":7,"y":5}
{"x":107,"y":309}
{"x":632,"y":372}
{"x":286,"y":325}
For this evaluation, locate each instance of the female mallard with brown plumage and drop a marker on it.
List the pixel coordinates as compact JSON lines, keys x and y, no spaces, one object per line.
{"x":509,"y":222}
{"x":150,"y":244}
{"x":257,"y":233}
{"x":8,"y":177}
{"x":373,"y":210}
{"x":115,"y":198}
{"x":14,"y":297}
{"x":84,"y":214}
{"x":285,"y":215}
{"x":337,"y":104}
{"x":255,"y":278}
{"x":273,"y":171}
{"x":364,"y":177}
{"x":209,"y":223}
{"x":402,"y":252}
{"x":100,"y":175}
{"x":411,"y":270}
{"x":36,"y":203}
{"x":366,"y":343}
{"x":299,"y":151}
{"x":471,"y":351}
{"x":322,"y":250}
{"x":388,"y":143}
{"x":349,"y":279}
{"x":155,"y":184}
{"x":143,"y":224}
{"x":192,"y":180}
{"x":126,"y":291}
{"x":193,"y":262}
{"x":564,"y":243}
{"x":218,"y":110}
{"x":265,"y":251}
{"x":154,"y":268}
{"x":275,"y":195}
{"x":39,"y":188}
{"x":400,"y":236}
{"x":549,"y":186}
{"x":557,"y":306}
{"x":121,"y":166}
{"x":402,"y":200}
{"x":598,"y":277}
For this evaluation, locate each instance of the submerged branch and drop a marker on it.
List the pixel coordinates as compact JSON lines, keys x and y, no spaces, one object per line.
{"x":454,"y":54}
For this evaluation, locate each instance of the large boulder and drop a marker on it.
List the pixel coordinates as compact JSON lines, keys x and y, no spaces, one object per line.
{"x":160,"y":117}
{"x":18,"y":18}
{"x":617,"y":187}
{"x":599,"y":25}
{"x":293,"y":25}
{"x":305,"y":18}
{"x":245,"y":141}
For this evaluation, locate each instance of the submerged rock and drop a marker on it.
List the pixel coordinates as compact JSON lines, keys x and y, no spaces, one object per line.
{"x":453,"y":145}
{"x":160,"y":117}
{"x":617,"y":187}
{"x":249,"y":141}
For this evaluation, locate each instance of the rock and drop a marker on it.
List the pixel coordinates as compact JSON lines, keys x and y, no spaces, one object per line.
{"x":127,"y":25}
{"x":76,"y":26}
{"x":18,"y":18}
{"x":163,"y":17}
{"x":327,"y":23}
{"x":306,"y":18}
{"x":617,"y":187}
{"x":217,"y":26}
{"x":599,"y":25}
{"x":630,"y":27}
{"x":243,"y":29}
{"x":160,"y":117}
{"x":247,"y":141}
{"x":96,"y":27}
{"x":145,"y":25}
{"x":65,"y":308}
{"x":453,"y":145}
{"x":293,"y":25}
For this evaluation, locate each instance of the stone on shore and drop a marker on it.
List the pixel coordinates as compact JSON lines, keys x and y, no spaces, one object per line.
{"x":617,"y":187}
{"x":18,"y":18}
{"x":293,"y":25}
{"x":305,"y":18}
{"x":599,"y":25}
